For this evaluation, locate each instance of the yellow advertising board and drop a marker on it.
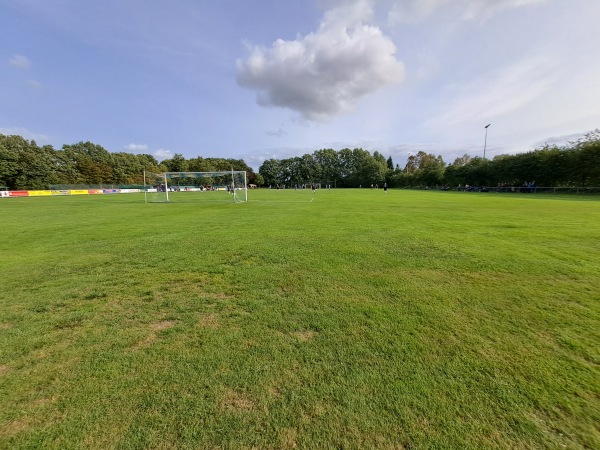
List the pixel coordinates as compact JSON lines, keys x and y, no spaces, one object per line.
{"x":79,"y":192}
{"x":39,"y":193}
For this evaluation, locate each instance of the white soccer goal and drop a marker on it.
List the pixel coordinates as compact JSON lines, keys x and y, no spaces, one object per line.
{"x":221,"y":186}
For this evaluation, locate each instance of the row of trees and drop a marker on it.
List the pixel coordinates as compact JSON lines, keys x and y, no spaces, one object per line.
{"x":25,"y":165}
{"x":576,"y":164}
{"x":346,"y":168}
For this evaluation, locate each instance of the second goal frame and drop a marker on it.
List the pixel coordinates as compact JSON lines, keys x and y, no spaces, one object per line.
{"x":233,"y":181}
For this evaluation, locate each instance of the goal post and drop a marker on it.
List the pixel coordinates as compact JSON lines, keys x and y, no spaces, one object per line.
{"x":155,"y":187}
{"x":171,"y":186}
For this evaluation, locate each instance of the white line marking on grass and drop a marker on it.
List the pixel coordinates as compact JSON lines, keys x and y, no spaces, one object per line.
{"x":311,"y":200}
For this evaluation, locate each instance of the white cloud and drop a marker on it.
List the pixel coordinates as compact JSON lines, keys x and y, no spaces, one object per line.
{"x":25,"y":134}
{"x":508,"y":90}
{"x":408,"y":11}
{"x":162,"y":154}
{"x":485,"y":9}
{"x":20,"y":62}
{"x":560,"y":140}
{"x":136,"y":147}
{"x":327,"y":72}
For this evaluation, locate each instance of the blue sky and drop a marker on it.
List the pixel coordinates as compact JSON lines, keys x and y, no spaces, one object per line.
{"x":259,"y":79}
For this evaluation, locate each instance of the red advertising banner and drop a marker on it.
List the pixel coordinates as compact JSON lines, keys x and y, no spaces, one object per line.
{"x":18,"y":193}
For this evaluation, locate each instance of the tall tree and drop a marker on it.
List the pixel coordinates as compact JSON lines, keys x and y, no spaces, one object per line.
{"x":427,"y":169}
{"x":369,"y":169}
{"x":24,"y":165}
{"x":270,"y":170}
{"x":93,"y":162}
{"x":10,"y":148}
{"x":177,"y":163}
{"x":390,"y":163}
{"x":329,"y":164}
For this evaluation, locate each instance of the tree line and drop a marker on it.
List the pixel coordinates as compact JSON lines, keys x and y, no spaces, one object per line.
{"x":25,"y":165}
{"x":574,"y":164}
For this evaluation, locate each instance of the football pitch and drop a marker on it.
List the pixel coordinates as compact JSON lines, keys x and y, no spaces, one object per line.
{"x":350,"y":319}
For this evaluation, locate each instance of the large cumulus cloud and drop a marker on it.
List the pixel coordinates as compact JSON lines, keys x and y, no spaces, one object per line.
{"x":324,"y":73}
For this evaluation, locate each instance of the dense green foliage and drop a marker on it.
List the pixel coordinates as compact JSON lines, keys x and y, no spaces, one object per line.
{"x":25,"y":165}
{"x":577,"y":164}
{"x":343,"y":319}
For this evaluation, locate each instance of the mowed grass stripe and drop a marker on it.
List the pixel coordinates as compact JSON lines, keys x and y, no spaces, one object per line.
{"x":341,"y":319}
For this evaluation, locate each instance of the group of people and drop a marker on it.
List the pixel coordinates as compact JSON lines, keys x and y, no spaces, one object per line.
{"x":376,"y":186}
{"x":312,"y":186}
{"x":469,"y":188}
{"x":527,"y":186}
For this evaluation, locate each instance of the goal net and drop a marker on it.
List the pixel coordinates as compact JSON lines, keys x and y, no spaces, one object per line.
{"x":219,"y":186}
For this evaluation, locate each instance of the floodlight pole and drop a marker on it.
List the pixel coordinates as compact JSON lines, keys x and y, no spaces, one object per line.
{"x":485,"y":142}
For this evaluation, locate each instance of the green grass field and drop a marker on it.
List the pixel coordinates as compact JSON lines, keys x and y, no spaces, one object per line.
{"x":345,"y":319}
